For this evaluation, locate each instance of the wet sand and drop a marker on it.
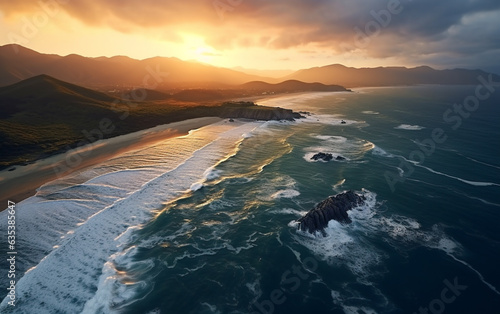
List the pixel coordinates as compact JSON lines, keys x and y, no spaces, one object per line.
{"x":23,"y":181}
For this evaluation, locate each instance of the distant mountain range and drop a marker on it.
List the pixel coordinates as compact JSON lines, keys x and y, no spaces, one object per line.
{"x":18,"y":63}
{"x":116,"y":71}
{"x":289,"y":86}
{"x":387,"y":76}
{"x":253,"y":88}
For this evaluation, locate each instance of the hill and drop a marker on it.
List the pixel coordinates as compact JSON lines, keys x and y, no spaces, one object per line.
{"x":386,"y":76}
{"x":42,"y":87}
{"x":254,"y":88}
{"x":18,"y":63}
{"x":42,"y":115}
{"x":290,"y":86}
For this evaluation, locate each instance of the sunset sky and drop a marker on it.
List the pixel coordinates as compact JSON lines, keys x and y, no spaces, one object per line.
{"x":260,"y":34}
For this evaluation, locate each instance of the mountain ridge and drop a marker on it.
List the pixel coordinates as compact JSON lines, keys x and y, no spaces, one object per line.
{"x":387,"y":76}
{"x":18,"y":63}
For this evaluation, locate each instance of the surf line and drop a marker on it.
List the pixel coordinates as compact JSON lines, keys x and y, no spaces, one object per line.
{"x":427,"y":147}
{"x":493,"y":288}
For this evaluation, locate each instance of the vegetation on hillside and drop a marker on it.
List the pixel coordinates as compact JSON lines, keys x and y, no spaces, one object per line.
{"x":42,"y":116}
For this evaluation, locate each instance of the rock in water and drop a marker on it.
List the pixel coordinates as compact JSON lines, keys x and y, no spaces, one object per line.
{"x":322,"y":156}
{"x":334,"y":207}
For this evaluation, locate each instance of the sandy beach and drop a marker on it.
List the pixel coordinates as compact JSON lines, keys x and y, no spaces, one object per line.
{"x":23,"y":181}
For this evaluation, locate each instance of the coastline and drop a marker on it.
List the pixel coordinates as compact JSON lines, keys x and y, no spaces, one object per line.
{"x":261,"y":99}
{"x":24,"y":181}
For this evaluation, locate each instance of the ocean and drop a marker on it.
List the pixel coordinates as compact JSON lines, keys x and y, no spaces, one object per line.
{"x":206,"y":223}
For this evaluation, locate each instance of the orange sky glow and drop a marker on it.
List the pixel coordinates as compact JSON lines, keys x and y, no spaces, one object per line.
{"x":260,"y":34}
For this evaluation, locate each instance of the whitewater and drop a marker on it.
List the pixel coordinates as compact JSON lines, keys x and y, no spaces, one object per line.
{"x":207,"y":222}
{"x":70,"y":232}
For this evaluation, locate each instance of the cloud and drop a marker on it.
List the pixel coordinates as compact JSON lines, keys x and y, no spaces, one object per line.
{"x":459,"y":29}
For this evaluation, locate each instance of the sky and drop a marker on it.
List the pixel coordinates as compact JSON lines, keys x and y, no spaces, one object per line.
{"x":264,"y":34}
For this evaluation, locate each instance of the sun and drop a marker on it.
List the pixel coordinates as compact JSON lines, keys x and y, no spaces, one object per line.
{"x":196,"y":48}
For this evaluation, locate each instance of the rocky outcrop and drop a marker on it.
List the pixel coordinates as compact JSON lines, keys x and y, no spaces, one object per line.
{"x":333,"y":208}
{"x":326,"y":157}
{"x":249,"y":110}
{"x":322,"y":156}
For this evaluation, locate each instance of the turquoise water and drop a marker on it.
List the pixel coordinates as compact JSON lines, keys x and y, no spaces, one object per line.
{"x":228,"y":243}
{"x":235,"y":242}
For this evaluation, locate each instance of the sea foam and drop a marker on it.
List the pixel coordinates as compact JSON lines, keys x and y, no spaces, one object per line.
{"x":348,"y":149}
{"x":93,"y":236}
{"x":409,"y":127}
{"x":353,"y":245}
{"x":288,"y":193}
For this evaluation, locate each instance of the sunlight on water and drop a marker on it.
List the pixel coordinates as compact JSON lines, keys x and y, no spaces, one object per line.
{"x":206,"y":222}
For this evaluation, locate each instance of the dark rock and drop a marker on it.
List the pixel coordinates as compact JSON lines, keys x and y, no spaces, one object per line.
{"x":231,"y":120}
{"x":342,"y":122}
{"x":322,"y":156}
{"x":334,"y":207}
{"x":339,"y":158}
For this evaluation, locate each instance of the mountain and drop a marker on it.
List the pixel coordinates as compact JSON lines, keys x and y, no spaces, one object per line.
{"x":386,"y":76}
{"x":18,"y":63}
{"x":32,"y":102}
{"x":289,"y":86}
{"x":41,"y":89}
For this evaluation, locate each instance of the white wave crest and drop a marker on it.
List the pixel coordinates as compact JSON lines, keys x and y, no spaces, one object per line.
{"x":288,"y":193}
{"x":212,"y":173}
{"x":377,"y":151}
{"x":409,"y":127}
{"x":196,"y":186}
{"x":474,"y":183}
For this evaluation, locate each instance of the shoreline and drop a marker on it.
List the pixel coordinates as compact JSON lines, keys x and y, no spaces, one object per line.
{"x":260,"y":98}
{"x":23,"y":182}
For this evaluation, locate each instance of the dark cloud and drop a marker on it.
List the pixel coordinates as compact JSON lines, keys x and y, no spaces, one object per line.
{"x":454,"y":28}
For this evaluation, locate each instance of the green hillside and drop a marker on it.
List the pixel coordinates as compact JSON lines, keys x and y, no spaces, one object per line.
{"x":42,"y":116}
